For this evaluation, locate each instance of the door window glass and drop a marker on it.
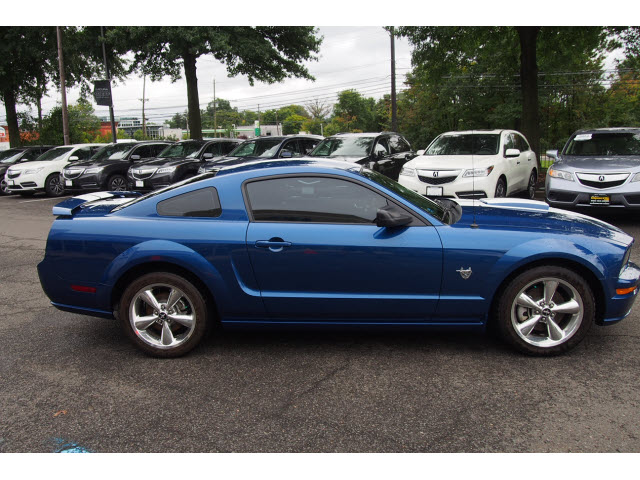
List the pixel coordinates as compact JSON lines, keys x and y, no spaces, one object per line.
{"x":213,"y":148}
{"x":398,"y":145}
{"x":381,"y":148}
{"x":199,"y":203}
{"x":313,"y":200}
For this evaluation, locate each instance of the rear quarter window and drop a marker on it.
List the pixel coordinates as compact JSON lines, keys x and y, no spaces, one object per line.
{"x":198,"y":203}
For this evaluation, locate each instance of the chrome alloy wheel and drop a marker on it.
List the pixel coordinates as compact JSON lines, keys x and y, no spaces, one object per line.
{"x":531,"y":188}
{"x":162,"y":316}
{"x":547,"y":312}
{"x":118,"y":184}
{"x":55,"y":186}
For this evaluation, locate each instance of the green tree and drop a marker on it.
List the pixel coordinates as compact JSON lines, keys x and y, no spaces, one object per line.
{"x":293,"y":124}
{"x":84,"y":126}
{"x":268,"y":54}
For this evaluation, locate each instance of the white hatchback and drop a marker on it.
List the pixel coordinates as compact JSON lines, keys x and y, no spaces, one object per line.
{"x":473,"y":164}
{"x":43,"y":172}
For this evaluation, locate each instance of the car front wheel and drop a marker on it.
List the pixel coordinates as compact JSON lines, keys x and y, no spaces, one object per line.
{"x":163,"y":314}
{"x":546,"y":310}
{"x":117,"y":183}
{"x":501,"y":188}
{"x":53,"y":186}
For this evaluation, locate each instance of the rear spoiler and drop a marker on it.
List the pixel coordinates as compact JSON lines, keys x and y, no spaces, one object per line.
{"x":71,"y":205}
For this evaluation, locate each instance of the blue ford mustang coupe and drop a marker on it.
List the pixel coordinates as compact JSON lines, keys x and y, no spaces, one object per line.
{"x":307,"y":242}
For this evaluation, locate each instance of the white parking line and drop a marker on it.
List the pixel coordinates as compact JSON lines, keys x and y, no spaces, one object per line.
{"x":43,"y":199}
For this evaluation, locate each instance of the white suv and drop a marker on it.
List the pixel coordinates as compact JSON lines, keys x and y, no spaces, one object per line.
{"x":43,"y":172}
{"x":473,"y":164}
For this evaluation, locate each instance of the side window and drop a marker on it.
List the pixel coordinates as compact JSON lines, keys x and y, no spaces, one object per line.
{"x":144,"y":151}
{"x":82,"y":153}
{"x":31,"y":154}
{"x":398,"y":145}
{"x":156,"y":149}
{"x":308,"y":144}
{"x":291,"y":146}
{"x":213,"y":148}
{"x":509,"y":142}
{"x":521,"y":143}
{"x":313,"y":200}
{"x":381,"y":148}
{"x":226,"y":147}
{"x":199,"y":203}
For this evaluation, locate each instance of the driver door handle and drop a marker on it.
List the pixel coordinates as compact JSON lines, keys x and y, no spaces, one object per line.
{"x":274,"y":244}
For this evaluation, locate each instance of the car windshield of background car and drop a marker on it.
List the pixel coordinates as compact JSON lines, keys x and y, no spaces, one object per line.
{"x":257,"y":148}
{"x":113,"y":152}
{"x":53,"y":154}
{"x":182,"y":150}
{"x":423,"y":203}
{"x":468,"y":144}
{"x":11,"y":157}
{"x":607,"y":144}
{"x":349,"y":146}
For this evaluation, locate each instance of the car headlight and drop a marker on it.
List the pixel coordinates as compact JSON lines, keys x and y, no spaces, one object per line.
{"x":636,"y":178}
{"x":166,"y":170}
{"x":478,"y":172}
{"x":33,"y":170}
{"x":408,"y":172}
{"x":93,"y":170}
{"x":552,"y":172}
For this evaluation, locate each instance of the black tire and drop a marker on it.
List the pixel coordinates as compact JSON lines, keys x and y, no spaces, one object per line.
{"x":53,"y":187}
{"x":116,"y":183}
{"x":531,"y":186}
{"x":501,"y":188}
{"x":4,"y":187}
{"x":513,"y":320}
{"x":149,"y":339}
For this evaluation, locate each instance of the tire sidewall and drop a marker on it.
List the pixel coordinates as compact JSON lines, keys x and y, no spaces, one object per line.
{"x":503,"y":312}
{"x":198,"y":304}
{"x":112,"y":178}
{"x":47,"y":186}
{"x":504,"y":188}
{"x":531,"y":195}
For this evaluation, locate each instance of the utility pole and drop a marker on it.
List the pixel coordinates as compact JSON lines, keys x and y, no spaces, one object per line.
{"x":63,"y":91}
{"x":106,"y":68}
{"x":215,"y":118}
{"x":143,"y":100}
{"x":394,"y":108}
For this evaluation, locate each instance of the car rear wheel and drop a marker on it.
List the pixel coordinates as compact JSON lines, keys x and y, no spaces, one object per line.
{"x":531,"y":186}
{"x":501,"y":188}
{"x":546,"y":311}
{"x":163,"y":314}
{"x":117,"y":183}
{"x":53,"y":186}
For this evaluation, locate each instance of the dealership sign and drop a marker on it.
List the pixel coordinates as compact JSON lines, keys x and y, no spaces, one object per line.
{"x":102,"y":92}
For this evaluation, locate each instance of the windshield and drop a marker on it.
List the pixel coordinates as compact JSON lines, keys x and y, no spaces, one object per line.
{"x":113,"y":152}
{"x":606,"y":144}
{"x":10,"y":156}
{"x":423,"y":203}
{"x":265,"y":147}
{"x":465,"y":144}
{"x":53,"y":154}
{"x":347,"y":146}
{"x":188,"y":149}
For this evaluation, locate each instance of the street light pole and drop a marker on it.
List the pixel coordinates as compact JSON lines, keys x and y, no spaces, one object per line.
{"x":106,"y":68}
{"x":63,"y":91}
{"x":394,"y":108}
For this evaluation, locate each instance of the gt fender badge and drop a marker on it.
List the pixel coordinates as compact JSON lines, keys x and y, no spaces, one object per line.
{"x":465,"y":273}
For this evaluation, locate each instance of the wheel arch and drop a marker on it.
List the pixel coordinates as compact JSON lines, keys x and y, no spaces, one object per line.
{"x":573,"y":265}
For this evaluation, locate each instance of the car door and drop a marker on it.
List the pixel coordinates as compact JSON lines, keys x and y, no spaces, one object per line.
{"x":384,"y":163}
{"x":318,"y":255}
{"x":512,"y":165}
{"x":528,"y":158}
{"x":401,"y":153}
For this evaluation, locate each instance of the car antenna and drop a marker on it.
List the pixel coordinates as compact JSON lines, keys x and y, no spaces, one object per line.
{"x":473,"y":179}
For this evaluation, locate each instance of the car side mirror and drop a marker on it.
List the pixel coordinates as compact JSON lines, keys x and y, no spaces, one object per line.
{"x":381,"y":154}
{"x":420,"y":152}
{"x":512,"y":152}
{"x":207,"y":156}
{"x":552,"y":154}
{"x":286,"y":154}
{"x":74,"y":158}
{"x":134,"y":158}
{"x":392,"y":216}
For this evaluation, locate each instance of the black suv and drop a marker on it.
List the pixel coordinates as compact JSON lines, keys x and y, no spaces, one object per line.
{"x":290,"y":146}
{"x":17,"y":155}
{"x":177,"y":162}
{"x":107,"y":168}
{"x":384,"y":152}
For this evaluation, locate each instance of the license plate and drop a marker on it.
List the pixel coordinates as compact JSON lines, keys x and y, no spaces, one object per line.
{"x":68,"y":183}
{"x":10,"y":182}
{"x":434,"y":191}
{"x":139,"y":183}
{"x":599,"y":200}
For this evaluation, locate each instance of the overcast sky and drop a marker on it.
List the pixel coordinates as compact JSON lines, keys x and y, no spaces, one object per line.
{"x":349,"y":57}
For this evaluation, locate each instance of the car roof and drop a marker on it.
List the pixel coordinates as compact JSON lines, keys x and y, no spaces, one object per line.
{"x":609,"y":130}
{"x":477,"y":131}
{"x":307,"y":162}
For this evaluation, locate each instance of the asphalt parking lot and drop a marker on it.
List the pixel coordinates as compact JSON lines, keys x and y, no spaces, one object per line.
{"x":74,"y":383}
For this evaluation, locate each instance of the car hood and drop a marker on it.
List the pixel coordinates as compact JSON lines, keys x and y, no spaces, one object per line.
{"x":167,"y":162}
{"x":29,"y":165}
{"x":448,"y":161}
{"x":599,"y":164}
{"x":520,"y":214}
{"x":97,"y":163}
